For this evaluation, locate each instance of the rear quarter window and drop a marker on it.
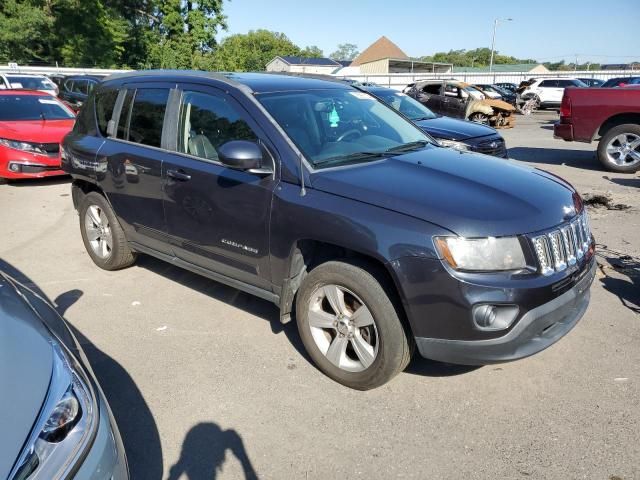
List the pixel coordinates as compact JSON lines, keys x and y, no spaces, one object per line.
{"x":105,"y":102}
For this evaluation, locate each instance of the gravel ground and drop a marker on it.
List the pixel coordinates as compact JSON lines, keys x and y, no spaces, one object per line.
{"x":205,"y":383}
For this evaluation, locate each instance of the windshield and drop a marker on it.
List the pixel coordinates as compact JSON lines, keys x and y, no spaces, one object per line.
{"x":31,"y":83}
{"x":336,"y":127}
{"x":32,"y":107}
{"x":405,"y":104}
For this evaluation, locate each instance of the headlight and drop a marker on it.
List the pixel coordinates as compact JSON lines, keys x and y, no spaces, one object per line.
{"x":65,"y":427}
{"x":481,"y":254}
{"x":24,"y":146}
{"x":455,"y":145}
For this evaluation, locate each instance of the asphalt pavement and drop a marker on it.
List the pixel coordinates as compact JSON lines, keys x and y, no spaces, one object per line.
{"x":205,"y":383}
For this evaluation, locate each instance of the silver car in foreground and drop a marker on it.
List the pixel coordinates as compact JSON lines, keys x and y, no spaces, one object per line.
{"x":56,"y":423}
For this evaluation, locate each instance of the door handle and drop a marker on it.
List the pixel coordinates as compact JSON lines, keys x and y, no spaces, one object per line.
{"x":179,"y":175}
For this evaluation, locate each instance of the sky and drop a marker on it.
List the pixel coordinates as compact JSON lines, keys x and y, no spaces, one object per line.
{"x":599,"y":31}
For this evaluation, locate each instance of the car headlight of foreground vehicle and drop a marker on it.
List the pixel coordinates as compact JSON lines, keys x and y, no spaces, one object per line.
{"x":65,"y":427}
{"x":22,"y":146}
{"x":463,"y":147}
{"x":481,"y":254}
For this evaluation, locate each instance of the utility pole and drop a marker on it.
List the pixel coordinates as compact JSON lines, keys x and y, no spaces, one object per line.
{"x":493,"y":40}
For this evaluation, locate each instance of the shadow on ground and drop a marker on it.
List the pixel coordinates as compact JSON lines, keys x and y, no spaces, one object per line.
{"x":38,"y":182}
{"x":132,"y":415}
{"x":555,"y":156}
{"x":204,"y":452}
{"x":621,"y":276}
{"x":626,"y":182}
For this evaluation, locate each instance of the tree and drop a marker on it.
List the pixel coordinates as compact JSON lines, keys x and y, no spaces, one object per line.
{"x":478,"y":57}
{"x":21,"y":27}
{"x":251,"y":51}
{"x":345,"y":51}
{"x":311,"y":52}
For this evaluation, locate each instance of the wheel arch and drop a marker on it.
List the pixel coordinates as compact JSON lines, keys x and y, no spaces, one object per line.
{"x":616,"y":120}
{"x":306,"y":254}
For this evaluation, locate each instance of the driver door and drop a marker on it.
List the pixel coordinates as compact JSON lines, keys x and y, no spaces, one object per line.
{"x":217,"y":218}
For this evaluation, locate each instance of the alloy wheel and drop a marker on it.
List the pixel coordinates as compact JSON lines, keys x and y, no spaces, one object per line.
{"x":624,"y":150}
{"x":343,"y":328}
{"x":98,"y":231}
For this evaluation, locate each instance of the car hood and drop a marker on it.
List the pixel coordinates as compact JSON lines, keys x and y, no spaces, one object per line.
{"x":454,"y":129}
{"x":26,"y":362}
{"x":466,"y":193}
{"x":43,"y":131}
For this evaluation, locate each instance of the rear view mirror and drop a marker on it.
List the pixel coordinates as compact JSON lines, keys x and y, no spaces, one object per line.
{"x":242,"y":155}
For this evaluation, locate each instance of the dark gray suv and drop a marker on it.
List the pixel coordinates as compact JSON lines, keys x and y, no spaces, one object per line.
{"x":327,"y":202}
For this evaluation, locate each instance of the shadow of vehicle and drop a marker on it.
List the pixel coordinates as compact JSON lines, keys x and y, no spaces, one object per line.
{"x":134,"y":419}
{"x":555,"y":156}
{"x":615,"y":266}
{"x":37,"y":182}
{"x":204,"y":452}
{"x":626,"y":182}
{"x":431,"y":368}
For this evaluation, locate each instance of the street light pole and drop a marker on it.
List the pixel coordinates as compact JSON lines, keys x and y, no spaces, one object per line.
{"x":493,"y":40}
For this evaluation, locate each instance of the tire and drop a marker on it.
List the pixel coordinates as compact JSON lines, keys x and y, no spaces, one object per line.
{"x":619,"y":149}
{"x":387,"y":349}
{"x":102,"y":234}
{"x":479,"y":117}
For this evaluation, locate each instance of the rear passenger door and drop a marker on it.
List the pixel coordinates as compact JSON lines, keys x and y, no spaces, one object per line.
{"x":431,"y":95}
{"x":217,"y":217}
{"x":131,"y":162}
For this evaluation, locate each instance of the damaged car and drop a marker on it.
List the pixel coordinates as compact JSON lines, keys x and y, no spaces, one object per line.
{"x":461,"y":100}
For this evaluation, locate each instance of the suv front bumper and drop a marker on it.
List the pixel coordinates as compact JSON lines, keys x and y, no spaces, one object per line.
{"x":538,"y":329}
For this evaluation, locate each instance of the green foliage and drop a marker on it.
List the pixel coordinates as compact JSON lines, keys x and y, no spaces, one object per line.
{"x":479,"y":57}
{"x":21,"y":27}
{"x":311,"y":51}
{"x":345,"y":51}
{"x":251,"y":51}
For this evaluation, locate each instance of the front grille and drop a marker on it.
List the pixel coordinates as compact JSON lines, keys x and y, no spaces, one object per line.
{"x":564,"y":246}
{"x":34,"y":168}
{"x":495,"y":147}
{"x":52,"y":149}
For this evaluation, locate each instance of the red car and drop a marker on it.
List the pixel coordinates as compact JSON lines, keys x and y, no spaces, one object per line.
{"x":32,"y":125}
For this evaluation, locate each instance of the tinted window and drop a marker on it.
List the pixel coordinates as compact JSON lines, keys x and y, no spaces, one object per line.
{"x":433,"y":88}
{"x":207,"y":122}
{"x":147,"y":116}
{"x":549,"y":83}
{"x":125,"y":115}
{"x":105,"y":102}
{"x":32,"y":107}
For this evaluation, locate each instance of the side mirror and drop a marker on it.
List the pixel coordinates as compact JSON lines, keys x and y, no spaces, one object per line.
{"x":242,"y":155}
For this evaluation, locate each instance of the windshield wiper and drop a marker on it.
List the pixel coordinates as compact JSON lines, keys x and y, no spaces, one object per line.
{"x":354,"y":157}
{"x":421,"y":118}
{"x":405,"y":147}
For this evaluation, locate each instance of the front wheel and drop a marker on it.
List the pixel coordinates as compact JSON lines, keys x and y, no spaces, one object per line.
{"x":350,"y":327}
{"x":619,"y":149}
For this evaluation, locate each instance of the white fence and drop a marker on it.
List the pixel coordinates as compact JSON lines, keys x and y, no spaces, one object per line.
{"x":392,"y":80}
{"x":400,"y":80}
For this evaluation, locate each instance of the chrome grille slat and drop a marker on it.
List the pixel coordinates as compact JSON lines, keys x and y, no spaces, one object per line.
{"x":558,"y":249}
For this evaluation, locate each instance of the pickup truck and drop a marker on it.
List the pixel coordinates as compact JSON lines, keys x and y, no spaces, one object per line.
{"x":609,"y":115}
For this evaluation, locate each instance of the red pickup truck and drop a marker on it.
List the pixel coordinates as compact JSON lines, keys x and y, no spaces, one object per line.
{"x":610,"y":115}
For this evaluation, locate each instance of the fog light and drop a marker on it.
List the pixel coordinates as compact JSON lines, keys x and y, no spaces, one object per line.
{"x":15,"y":167}
{"x":494,"y":317}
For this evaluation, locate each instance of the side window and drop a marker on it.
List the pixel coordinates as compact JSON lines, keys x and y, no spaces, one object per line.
{"x":105,"y":103}
{"x":90,"y":86}
{"x":432,"y":88}
{"x":147,"y":116}
{"x":125,"y":116}
{"x":207,"y":122}
{"x":68,"y":85}
{"x":566,"y":83}
{"x":79,"y":86}
{"x":451,"y":90}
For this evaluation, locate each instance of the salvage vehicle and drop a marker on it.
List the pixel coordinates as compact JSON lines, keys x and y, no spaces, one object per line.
{"x":461,"y":100}
{"x":511,"y":87}
{"x":610,"y":116}
{"x":548,"y":91}
{"x":75,"y":89}
{"x":32,"y":125}
{"x":20,"y":81}
{"x":620,"y":82}
{"x":325,"y":201}
{"x":450,"y":132}
{"x":56,"y":422}
{"x":494,"y":91}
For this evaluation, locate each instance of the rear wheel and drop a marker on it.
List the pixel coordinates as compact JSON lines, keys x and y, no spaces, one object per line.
{"x":350,"y":327}
{"x":102,"y":234}
{"x":619,"y":149}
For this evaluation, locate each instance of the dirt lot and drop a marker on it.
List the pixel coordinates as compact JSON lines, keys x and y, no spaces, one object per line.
{"x":205,"y":383}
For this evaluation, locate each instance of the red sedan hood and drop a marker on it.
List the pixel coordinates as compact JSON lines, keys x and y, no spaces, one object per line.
{"x":47,"y":131}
